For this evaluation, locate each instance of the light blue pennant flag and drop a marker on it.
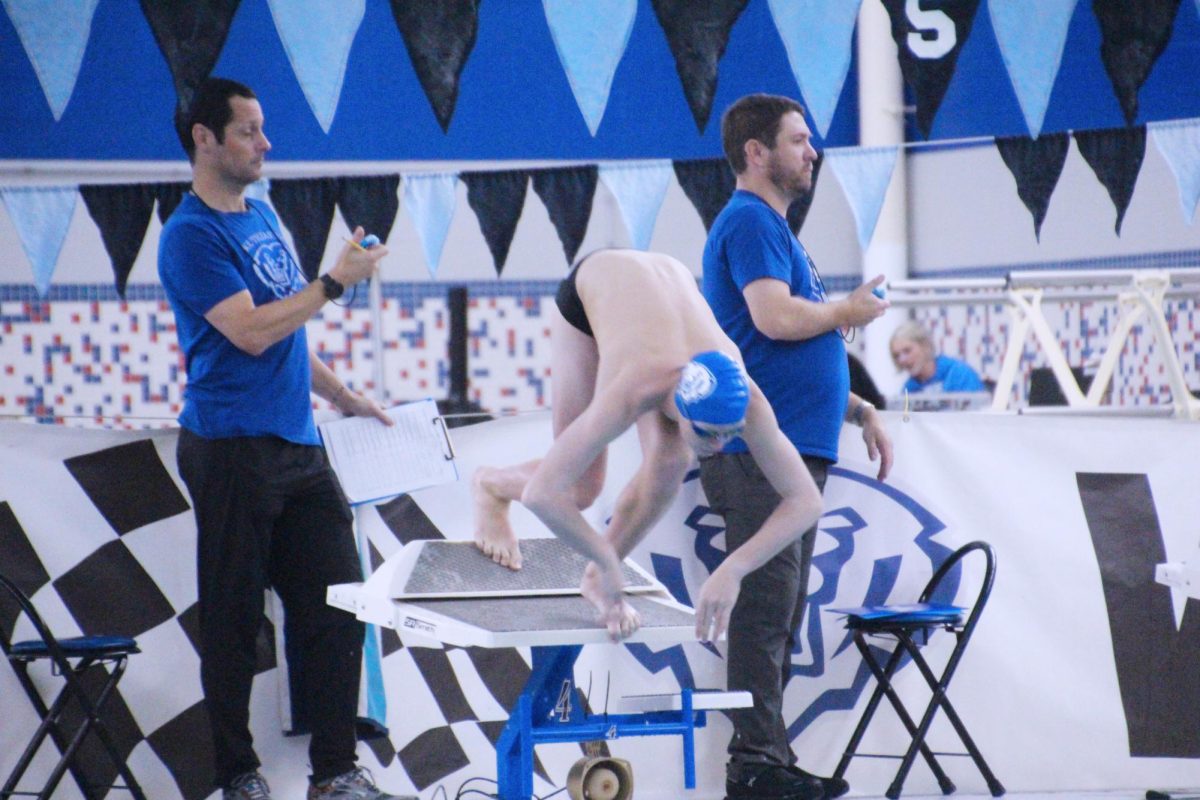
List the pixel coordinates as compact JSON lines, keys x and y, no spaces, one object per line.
{"x":818,"y":36}
{"x":864,"y":173}
{"x":1031,"y":35}
{"x":639,"y":189}
{"x":430,"y":199}
{"x":317,"y":37}
{"x":1179,"y":142}
{"x":590,"y":38}
{"x":41,"y":216}
{"x":54,"y":39}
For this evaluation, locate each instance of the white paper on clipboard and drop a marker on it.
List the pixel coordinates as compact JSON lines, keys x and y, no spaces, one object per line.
{"x":374,"y":461}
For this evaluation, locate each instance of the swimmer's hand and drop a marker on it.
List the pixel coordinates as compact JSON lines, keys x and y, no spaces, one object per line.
{"x":602,"y":588}
{"x":715,"y":603}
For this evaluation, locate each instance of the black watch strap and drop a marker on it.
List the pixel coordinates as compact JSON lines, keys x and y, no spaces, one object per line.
{"x":333,"y":289}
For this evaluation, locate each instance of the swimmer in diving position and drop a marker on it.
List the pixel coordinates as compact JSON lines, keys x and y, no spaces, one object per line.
{"x":634,"y":343}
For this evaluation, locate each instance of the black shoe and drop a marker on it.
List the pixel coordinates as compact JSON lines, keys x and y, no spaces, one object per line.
{"x":772,"y":782}
{"x":834,"y":787}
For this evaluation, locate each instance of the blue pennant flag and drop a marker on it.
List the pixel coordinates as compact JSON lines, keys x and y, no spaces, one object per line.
{"x":430,"y":199}
{"x":55,"y":41}
{"x":864,"y":173}
{"x":590,"y":39}
{"x":639,"y":190}
{"x":1179,"y":142}
{"x":317,"y":37}
{"x":1031,"y":35}
{"x":41,"y":216}
{"x":818,"y":36}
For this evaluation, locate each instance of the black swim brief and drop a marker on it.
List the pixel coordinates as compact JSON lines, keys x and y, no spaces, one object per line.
{"x":569,"y":304}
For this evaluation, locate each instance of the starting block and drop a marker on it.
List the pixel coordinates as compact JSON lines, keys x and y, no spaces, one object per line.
{"x":451,"y":593}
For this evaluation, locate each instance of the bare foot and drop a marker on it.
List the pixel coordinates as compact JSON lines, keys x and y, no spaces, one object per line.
{"x":620,"y":618}
{"x":493,"y":533}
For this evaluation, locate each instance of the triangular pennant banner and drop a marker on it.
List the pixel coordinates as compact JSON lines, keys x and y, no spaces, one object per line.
{"x":498,"y":198}
{"x":305,"y":206}
{"x":1031,"y":35}
{"x":929,"y":36}
{"x":798,"y":211}
{"x":590,"y":39}
{"x":697,"y":34}
{"x":708,"y":183}
{"x":1115,"y":155}
{"x":371,"y":201}
{"x":41,"y":216}
{"x":430,"y":199}
{"x":864,"y":173}
{"x":1132,"y":37}
{"x":122,"y":212}
{"x":567,"y":193}
{"x":169,"y":195}
{"x":639,"y":190}
{"x":818,"y":36}
{"x":1036,"y":164}
{"x":54,"y":42}
{"x":317,"y":37}
{"x":190,"y":36}
{"x":439,"y":37}
{"x":1179,"y":143}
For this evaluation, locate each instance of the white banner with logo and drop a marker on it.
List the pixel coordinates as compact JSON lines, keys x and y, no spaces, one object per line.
{"x":1082,"y":674}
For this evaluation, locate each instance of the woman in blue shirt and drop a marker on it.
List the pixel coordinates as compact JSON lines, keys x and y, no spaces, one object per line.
{"x":913,"y":351}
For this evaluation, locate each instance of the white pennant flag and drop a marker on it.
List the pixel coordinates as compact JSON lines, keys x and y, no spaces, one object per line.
{"x":430,"y":199}
{"x":1179,"y":142}
{"x":818,"y":36}
{"x":639,"y":190}
{"x":1031,"y":35}
{"x":864,"y":173}
{"x":41,"y":216}
{"x":590,"y":38}
{"x":317,"y":37}
{"x":55,"y":40}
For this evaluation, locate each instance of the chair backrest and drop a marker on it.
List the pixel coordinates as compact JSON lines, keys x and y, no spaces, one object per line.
{"x":11,"y":608}
{"x":985,"y":588}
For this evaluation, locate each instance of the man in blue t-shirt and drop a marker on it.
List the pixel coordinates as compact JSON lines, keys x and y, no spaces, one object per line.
{"x":767,"y":296}
{"x":269,"y":510}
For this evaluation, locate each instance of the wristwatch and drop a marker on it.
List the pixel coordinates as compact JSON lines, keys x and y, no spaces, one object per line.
{"x":333,"y":289}
{"x":859,"y":410}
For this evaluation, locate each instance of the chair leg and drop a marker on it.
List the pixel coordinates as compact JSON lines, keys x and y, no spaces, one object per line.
{"x":861,"y":728}
{"x":940,"y":698}
{"x":884,"y":678}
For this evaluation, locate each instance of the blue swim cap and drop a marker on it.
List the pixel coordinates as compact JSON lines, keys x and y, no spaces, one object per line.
{"x":713,"y":390}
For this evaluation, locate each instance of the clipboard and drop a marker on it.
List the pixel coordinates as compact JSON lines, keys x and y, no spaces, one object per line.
{"x":375,"y":462}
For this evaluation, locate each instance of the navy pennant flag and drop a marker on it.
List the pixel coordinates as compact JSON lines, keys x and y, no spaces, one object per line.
{"x":190,"y":36}
{"x":1133,"y":36}
{"x":697,"y":34}
{"x":1036,"y":164}
{"x":1115,"y":156}
{"x":929,"y":35}
{"x":122,"y":212}
{"x":498,"y":198}
{"x":439,"y":37}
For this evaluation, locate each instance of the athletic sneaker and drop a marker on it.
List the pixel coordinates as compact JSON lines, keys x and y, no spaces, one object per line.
{"x":249,"y":786}
{"x":771,"y":782}
{"x":357,"y":784}
{"x":833,"y":787}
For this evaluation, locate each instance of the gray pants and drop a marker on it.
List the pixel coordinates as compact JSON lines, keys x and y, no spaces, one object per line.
{"x":762,"y":628}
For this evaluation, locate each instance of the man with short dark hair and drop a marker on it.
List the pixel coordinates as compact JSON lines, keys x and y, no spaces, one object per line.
{"x":768,"y":298}
{"x":269,"y":510}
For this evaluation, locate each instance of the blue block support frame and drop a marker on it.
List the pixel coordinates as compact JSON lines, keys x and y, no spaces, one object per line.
{"x":539,"y":718}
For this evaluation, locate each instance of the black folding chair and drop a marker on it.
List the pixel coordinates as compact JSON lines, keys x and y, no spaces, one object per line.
{"x":910,"y":626}
{"x":76,"y":710}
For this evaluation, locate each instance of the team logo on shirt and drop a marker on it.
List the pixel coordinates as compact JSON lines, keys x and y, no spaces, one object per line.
{"x":273,"y":264}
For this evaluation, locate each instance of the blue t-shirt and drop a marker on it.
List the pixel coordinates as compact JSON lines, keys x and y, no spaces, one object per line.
{"x":204,"y":257}
{"x":950,"y":375}
{"x":806,"y":382}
